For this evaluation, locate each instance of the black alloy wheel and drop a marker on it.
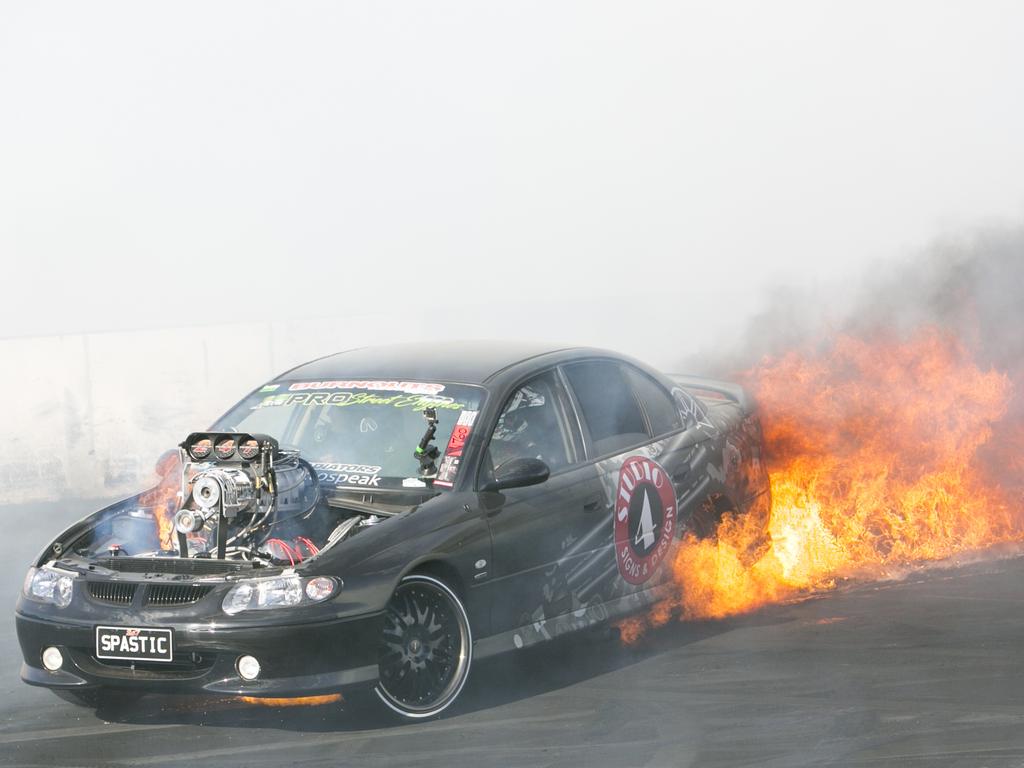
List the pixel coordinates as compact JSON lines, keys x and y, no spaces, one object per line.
{"x":426,"y":649}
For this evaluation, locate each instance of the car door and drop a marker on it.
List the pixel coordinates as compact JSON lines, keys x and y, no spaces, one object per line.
{"x":682,"y":442}
{"x":650,"y":466}
{"x":545,"y":534}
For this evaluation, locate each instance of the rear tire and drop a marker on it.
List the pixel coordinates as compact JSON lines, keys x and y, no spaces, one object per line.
{"x":709,"y":514}
{"x":715,"y":508}
{"x":426,"y":649}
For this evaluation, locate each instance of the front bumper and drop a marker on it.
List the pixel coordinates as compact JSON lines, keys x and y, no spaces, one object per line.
{"x":296,"y":659}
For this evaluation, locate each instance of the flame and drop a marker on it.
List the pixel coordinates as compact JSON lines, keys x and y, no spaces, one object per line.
{"x":164,"y":499}
{"x":298,"y":701}
{"x":873,"y":451}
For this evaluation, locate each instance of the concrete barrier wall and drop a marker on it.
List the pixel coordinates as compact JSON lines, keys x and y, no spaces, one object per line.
{"x":88,"y":415}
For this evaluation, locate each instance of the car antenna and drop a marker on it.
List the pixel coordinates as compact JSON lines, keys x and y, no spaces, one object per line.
{"x":426,"y":453}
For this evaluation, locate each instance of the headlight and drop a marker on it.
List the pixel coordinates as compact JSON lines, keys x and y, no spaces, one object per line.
{"x":278,"y":592}
{"x":48,"y":586}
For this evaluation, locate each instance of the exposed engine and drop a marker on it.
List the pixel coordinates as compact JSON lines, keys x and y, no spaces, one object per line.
{"x":229,"y":496}
{"x":236,"y":487}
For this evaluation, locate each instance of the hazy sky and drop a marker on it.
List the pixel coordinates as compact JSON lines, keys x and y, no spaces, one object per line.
{"x":170,"y":163}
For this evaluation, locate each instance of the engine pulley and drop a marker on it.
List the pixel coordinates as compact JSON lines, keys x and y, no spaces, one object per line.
{"x":225,"y":487}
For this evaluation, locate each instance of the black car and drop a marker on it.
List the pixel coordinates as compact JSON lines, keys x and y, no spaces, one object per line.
{"x":373,"y":521}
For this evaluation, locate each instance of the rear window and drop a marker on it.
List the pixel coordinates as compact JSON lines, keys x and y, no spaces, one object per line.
{"x":609,"y":407}
{"x":662,"y":412}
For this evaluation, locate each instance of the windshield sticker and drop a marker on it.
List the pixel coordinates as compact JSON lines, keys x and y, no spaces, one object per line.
{"x":446,"y":474}
{"x":409,"y":387}
{"x":414,"y":402}
{"x":460,"y":434}
{"x":270,"y":387}
{"x":453,"y":453}
{"x":366,"y":469}
{"x":347,"y":474}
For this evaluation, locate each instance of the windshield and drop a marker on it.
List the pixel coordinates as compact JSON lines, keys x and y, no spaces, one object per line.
{"x":362,"y":434}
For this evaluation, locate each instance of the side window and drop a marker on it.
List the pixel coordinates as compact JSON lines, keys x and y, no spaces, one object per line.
{"x":662,"y":413}
{"x":530,"y":426}
{"x":609,"y":407}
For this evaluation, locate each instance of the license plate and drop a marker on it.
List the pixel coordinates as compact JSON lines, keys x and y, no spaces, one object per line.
{"x":135,"y":643}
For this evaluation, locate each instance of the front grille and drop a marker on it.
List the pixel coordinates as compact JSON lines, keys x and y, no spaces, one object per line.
{"x":174,"y":565}
{"x":182,"y":663}
{"x":185,"y":665}
{"x":113,"y":592}
{"x":176,"y":594}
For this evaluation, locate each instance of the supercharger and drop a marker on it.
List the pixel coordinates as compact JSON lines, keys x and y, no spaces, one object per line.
{"x":234,"y":486}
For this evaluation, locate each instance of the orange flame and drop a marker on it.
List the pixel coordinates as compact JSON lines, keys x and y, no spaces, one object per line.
{"x":872,"y":452}
{"x":298,"y":701}
{"x":163,"y":498}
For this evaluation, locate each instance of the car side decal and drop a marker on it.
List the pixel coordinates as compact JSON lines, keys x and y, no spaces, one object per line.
{"x":645,"y":518}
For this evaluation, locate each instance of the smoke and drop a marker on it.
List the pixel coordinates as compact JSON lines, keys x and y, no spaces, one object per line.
{"x":893,"y":431}
{"x":971,"y":286}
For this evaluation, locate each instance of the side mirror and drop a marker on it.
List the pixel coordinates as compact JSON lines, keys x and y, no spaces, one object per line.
{"x":518,"y":473}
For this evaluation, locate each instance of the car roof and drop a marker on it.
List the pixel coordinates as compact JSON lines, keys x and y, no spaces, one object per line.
{"x":467,"y":362}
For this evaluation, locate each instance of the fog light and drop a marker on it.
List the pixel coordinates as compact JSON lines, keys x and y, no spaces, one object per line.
{"x":319,"y":588}
{"x":248,"y":667}
{"x":52,"y":659}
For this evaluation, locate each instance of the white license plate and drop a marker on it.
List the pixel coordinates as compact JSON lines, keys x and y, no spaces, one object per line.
{"x":135,"y":643}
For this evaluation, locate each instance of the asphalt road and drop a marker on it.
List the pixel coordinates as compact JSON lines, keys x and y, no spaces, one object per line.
{"x":928,"y":670}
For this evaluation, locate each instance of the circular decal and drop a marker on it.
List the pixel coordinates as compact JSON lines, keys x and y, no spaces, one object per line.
{"x":645,"y":518}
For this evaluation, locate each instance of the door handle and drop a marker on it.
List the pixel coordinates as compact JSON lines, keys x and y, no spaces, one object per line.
{"x":594,"y":504}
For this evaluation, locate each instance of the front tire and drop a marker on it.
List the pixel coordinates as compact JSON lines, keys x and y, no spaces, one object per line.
{"x":426,"y":649}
